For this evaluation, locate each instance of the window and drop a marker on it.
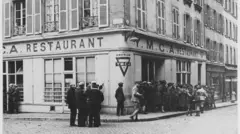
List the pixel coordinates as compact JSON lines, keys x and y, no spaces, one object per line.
{"x":183,"y":72}
{"x":215,"y":20}
{"x":231,"y":59}
{"x":175,"y":18}
{"x":19,"y":18}
{"x":226,"y":28}
{"x":227,"y":60}
{"x":230,"y":30}
{"x":198,"y":32}
{"x":208,"y":47}
{"x":161,"y":17}
{"x":15,"y":74}
{"x":217,"y":52}
{"x":236,"y":9}
{"x":51,"y":15}
{"x":234,"y":57}
{"x":187,"y":28}
{"x":53,"y":84}
{"x":221,"y":53}
{"x":90,"y":13}
{"x":236,"y":33}
{"x":226,"y":4}
{"x":209,"y":14}
{"x":233,"y":10}
{"x":229,"y":6}
{"x":141,"y":14}
{"x":214,"y":50}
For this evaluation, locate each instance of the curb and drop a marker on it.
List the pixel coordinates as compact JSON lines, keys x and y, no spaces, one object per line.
{"x":117,"y":120}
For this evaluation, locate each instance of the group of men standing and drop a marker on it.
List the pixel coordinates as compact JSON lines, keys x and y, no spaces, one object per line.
{"x":88,"y":104}
{"x":13,"y":98}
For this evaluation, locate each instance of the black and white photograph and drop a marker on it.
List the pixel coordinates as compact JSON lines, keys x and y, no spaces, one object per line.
{"x":119,"y":66}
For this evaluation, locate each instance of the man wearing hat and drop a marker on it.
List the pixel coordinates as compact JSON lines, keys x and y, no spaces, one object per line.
{"x":119,"y":95}
{"x":94,"y":100}
{"x":71,"y":101}
{"x":16,"y":97}
{"x":11,"y":98}
{"x":81,"y":105}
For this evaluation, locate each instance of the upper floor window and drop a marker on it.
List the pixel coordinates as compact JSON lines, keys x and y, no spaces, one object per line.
{"x":51,"y":15}
{"x":161,"y":17}
{"x":229,"y":5}
{"x":226,"y":27}
{"x":19,"y":18}
{"x":236,"y":9}
{"x":231,"y":58}
{"x":141,"y":14}
{"x":187,"y":28}
{"x":89,"y":13}
{"x":175,"y":20}
{"x":221,"y":54}
{"x":198,"y":32}
{"x":230,"y":30}
{"x":227,"y":54}
{"x":214,"y":19}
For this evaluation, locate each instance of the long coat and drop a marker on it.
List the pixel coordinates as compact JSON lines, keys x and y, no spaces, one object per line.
{"x":94,"y":96}
{"x":81,"y":99}
{"x":71,"y":99}
{"x":119,"y":95}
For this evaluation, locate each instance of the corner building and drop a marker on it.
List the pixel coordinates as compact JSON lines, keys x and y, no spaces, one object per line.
{"x":50,"y":44}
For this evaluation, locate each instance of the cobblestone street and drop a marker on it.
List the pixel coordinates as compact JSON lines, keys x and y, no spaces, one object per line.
{"x":220,"y":121}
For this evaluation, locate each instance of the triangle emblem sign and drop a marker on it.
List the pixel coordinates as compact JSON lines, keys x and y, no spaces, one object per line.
{"x":123,"y":63}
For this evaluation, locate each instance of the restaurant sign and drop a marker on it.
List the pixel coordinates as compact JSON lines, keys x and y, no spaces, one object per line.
{"x":53,"y":46}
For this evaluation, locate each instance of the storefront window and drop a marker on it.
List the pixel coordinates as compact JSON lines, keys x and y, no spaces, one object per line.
{"x":53,"y":92}
{"x":60,"y":73}
{"x":14,"y":75}
{"x":183,"y":72}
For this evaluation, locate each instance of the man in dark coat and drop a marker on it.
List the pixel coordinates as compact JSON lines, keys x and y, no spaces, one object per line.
{"x":81,"y":104}
{"x":11,"y":98}
{"x":119,"y":95}
{"x":71,"y":101}
{"x":94,"y":100}
{"x":16,"y":98}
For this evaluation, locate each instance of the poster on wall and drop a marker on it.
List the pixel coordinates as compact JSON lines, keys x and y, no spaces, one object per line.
{"x":123,"y":61}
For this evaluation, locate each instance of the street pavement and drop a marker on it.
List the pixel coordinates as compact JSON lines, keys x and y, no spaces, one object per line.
{"x":219,"y":121}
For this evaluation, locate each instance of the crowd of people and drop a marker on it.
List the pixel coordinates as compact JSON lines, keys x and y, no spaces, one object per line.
{"x":88,"y":104}
{"x":163,"y":96}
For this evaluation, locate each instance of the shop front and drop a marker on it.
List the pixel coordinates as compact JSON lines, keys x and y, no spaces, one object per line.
{"x":230,"y":81}
{"x":44,"y":68}
{"x":215,"y":78}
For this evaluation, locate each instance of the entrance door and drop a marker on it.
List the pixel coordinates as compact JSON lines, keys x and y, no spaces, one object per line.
{"x":148,"y":69}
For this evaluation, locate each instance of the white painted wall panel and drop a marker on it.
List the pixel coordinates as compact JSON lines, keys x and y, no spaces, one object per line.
{"x":27,"y":80}
{"x":38,"y":80}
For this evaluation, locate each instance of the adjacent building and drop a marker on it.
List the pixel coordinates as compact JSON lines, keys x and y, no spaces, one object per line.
{"x":221,"y":37}
{"x":49,"y":44}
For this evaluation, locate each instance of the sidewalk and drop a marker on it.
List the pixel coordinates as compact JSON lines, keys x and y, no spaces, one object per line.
{"x":104,"y":117}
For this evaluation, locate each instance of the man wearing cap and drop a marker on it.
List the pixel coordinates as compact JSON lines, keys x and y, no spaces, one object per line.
{"x":94,"y":100}
{"x":119,"y":95}
{"x":81,"y":104}
{"x":10,"y":98}
{"x":71,"y":101}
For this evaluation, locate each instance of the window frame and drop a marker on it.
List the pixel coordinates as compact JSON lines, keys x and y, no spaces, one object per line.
{"x":142,"y":11}
{"x":161,"y":17}
{"x":54,"y":15}
{"x":187,"y":71}
{"x":175,"y":22}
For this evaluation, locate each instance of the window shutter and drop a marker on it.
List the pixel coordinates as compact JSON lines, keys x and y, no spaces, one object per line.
{"x":29,"y":9}
{"x":178,"y":36}
{"x":164,"y":18}
{"x":74,"y":15}
{"x":63,"y":17}
{"x":103,"y":13}
{"x":202,"y":38}
{"x":7,"y":19}
{"x":127,"y":12}
{"x":37,"y":16}
{"x":80,"y":13}
{"x":192,"y":30}
{"x":195,"y":34}
{"x":173,"y":31}
{"x":157,"y":15}
{"x":184,"y":27}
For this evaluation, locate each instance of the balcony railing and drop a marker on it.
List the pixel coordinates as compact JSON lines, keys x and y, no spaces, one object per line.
{"x":91,"y":21}
{"x":19,"y":30}
{"x":51,"y":26}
